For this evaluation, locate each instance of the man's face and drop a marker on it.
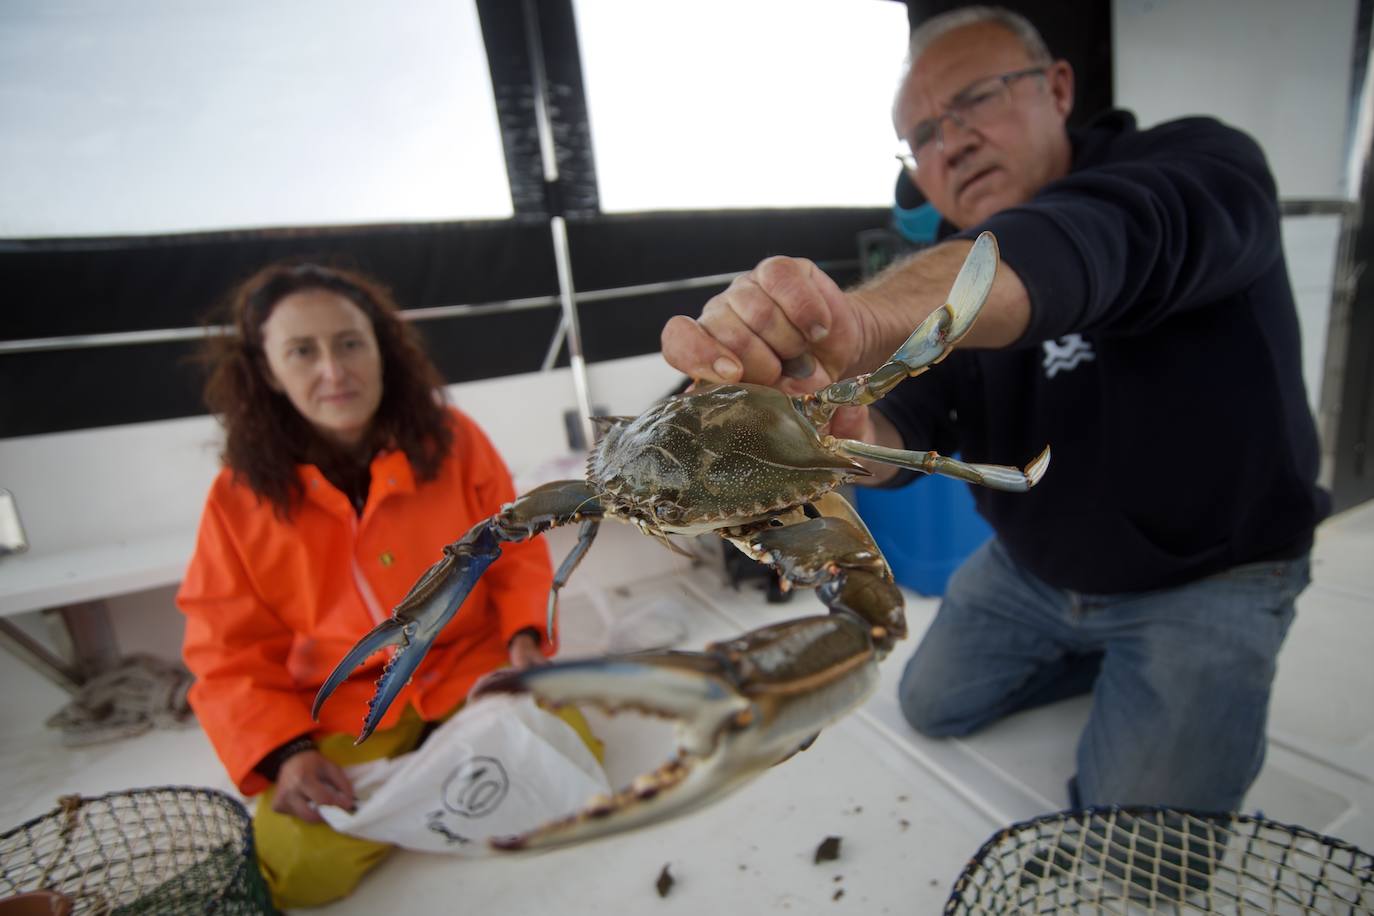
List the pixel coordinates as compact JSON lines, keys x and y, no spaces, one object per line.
{"x":971,"y":172}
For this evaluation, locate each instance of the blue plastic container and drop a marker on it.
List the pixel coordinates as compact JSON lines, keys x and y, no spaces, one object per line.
{"x":925,"y":529}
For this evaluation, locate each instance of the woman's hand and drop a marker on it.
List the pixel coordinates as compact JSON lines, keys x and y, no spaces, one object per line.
{"x":310,"y":779}
{"x":524,"y":651}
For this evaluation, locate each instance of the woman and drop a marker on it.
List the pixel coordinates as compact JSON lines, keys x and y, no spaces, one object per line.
{"x":344,"y":475}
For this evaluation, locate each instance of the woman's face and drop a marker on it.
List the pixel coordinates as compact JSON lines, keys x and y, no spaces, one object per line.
{"x":322,"y":354}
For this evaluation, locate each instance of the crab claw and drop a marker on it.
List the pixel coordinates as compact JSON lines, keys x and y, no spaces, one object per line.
{"x":431,"y":604}
{"x":390,"y":632}
{"x":739,"y":708}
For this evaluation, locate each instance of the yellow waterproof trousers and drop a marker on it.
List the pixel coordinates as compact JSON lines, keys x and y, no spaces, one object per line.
{"x":312,"y":864}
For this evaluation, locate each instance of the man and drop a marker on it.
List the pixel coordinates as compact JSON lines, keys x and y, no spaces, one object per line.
{"x":1142,"y":325}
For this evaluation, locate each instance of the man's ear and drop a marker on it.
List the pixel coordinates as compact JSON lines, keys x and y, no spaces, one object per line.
{"x":1060,"y":75}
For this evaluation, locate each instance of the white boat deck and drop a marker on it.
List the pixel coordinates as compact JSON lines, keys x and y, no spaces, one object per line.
{"x":910,"y":811}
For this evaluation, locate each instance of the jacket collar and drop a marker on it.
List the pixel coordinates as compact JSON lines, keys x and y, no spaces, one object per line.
{"x":391,"y":473}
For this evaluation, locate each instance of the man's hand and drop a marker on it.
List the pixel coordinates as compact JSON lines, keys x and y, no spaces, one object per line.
{"x":785,"y":323}
{"x":310,"y":779}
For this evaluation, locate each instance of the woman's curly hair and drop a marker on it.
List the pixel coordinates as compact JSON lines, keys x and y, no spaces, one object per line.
{"x":266,"y":437}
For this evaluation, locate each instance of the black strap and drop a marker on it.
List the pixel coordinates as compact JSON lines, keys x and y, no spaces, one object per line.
{"x":270,"y":766}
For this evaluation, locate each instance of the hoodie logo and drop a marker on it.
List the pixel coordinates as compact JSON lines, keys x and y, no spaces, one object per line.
{"x":1066,"y":353}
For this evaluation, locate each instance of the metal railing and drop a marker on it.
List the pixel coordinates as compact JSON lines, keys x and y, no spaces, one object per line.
{"x":429,"y":313}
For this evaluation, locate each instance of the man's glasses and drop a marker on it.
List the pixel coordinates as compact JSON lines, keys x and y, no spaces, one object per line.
{"x":981,"y":103}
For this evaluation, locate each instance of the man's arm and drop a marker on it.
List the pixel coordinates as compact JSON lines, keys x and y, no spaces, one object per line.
{"x":1176,"y":218}
{"x":904,"y":294}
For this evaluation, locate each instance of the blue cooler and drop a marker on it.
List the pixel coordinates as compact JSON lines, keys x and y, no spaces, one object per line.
{"x":925,"y":529}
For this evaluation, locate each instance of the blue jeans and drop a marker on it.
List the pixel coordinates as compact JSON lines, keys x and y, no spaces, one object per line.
{"x":1180,"y":677}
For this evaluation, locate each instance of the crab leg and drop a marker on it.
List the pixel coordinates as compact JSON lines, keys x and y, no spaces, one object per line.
{"x":743,"y":705}
{"x":585,"y":535}
{"x":927,"y":345}
{"x":993,"y":476}
{"x":837,"y":556}
{"x":931,"y":342}
{"x":441,"y":591}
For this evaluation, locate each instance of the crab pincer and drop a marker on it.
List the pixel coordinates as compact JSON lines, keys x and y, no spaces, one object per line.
{"x":441,"y":590}
{"x":430,"y":604}
{"x":738,"y":708}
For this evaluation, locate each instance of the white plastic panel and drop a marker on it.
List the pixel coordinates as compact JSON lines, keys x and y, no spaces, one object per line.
{"x":162,"y":116}
{"x":724,"y":104}
{"x":1281,"y":71}
{"x":1310,"y":244}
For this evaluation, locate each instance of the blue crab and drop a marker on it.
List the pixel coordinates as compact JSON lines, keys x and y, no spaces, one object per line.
{"x":752,"y":465}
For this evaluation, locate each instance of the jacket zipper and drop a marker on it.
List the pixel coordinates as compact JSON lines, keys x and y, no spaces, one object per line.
{"x":369,"y":597}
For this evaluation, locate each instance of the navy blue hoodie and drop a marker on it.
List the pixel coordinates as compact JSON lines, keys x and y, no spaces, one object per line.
{"x":1162,"y":365}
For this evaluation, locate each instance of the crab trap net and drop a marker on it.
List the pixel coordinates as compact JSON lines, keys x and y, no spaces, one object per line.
{"x":1162,"y":860}
{"x":143,"y":851}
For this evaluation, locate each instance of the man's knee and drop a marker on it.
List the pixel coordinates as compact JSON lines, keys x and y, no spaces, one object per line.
{"x":930,"y":720}
{"x":924,"y":701}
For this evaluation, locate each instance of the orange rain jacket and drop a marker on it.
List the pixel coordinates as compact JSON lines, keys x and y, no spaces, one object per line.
{"x":272,"y":606}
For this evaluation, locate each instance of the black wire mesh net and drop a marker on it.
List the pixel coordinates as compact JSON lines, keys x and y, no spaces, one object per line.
{"x":1162,"y":860}
{"x":162,"y":850}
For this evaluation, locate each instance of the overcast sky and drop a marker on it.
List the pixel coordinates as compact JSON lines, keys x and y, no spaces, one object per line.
{"x":148,"y":116}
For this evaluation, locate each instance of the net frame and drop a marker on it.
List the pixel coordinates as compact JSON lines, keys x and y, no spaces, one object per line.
{"x":1149,"y":859}
{"x":169,"y":849}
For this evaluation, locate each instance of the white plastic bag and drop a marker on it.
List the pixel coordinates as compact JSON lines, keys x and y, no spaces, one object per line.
{"x":500,"y":766}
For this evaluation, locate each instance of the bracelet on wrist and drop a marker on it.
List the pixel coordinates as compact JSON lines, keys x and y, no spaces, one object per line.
{"x":531,"y":632}
{"x":270,"y":766}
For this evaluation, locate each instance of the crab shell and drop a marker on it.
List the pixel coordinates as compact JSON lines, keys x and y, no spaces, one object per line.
{"x":724,"y":456}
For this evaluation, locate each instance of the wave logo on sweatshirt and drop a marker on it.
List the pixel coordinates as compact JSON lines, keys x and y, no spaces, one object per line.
{"x":1066,"y":353}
